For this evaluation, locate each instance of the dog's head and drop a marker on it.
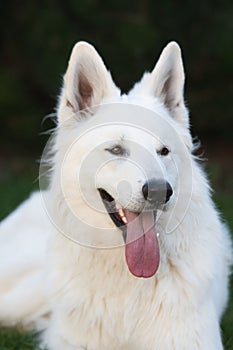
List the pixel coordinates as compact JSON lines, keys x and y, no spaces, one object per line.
{"x":120,"y":157}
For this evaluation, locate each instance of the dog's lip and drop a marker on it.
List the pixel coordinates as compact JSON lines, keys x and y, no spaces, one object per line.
{"x":115,"y":208}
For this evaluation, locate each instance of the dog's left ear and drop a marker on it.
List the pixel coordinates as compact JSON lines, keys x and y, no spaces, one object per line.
{"x":166,"y":82}
{"x":87,"y":82}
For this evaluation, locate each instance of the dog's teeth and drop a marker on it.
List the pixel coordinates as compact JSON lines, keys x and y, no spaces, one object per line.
{"x":123,"y":218}
{"x":122,"y":215}
{"x":157,"y":234}
{"x":120,"y":211}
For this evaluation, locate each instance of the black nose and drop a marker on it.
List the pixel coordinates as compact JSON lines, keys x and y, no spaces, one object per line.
{"x":157,"y":191}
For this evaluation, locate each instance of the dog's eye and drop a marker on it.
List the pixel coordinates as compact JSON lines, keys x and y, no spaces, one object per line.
{"x":116,"y":150}
{"x":164,"y":151}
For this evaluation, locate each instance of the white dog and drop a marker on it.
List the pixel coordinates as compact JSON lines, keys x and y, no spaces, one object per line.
{"x":125,"y":250}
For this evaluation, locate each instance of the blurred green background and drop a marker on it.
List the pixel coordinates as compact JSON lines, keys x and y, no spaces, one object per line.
{"x":36,"y":40}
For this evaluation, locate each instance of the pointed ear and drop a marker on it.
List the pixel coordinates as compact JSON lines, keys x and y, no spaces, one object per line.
{"x":166,"y":82}
{"x":86,"y":82}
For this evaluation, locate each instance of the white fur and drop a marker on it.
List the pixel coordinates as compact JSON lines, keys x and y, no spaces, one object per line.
{"x":23,"y":249}
{"x":94,"y":301}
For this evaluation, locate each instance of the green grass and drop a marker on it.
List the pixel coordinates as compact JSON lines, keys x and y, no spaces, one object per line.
{"x":14,"y":191}
{"x":11,"y":339}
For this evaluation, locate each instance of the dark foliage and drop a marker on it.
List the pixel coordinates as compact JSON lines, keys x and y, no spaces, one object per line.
{"x":37,"y":36}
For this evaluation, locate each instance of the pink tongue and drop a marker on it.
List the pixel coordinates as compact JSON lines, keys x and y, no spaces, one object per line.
{"x":142,"y":249}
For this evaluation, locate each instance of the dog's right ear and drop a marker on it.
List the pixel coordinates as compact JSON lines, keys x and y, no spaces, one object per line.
{"x":87,"y":82}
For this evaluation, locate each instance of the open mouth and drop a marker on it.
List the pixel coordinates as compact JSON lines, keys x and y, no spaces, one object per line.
{"x":138,"y":229}
{"x":116,"y":213}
